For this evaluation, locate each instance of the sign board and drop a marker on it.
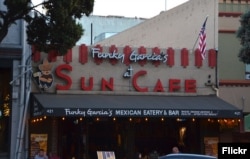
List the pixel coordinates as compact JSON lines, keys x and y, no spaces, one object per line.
{"x":211,"y":146}
{"x":247,"y":123}
{"x":37,"y":142}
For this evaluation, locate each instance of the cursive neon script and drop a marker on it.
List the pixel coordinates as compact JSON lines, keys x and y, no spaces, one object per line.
{"x":75,"y":112}
{"x":107,"y":55}
{"x":91,"y":112}
{"x":133,"y":56}
{"x":150,"y":57}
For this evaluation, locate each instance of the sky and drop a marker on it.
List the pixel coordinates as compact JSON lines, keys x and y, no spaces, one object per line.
{"x":131,"y":8}
{"x":134,"y":8}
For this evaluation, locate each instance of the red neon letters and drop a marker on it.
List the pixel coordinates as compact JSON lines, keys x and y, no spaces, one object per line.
{"x":174,"y":85}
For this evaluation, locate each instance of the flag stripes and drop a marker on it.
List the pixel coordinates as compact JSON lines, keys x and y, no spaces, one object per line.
{"x":202,"y":40}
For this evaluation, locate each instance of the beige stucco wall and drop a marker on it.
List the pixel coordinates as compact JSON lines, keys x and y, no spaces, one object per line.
{"x":229,"y":23}
{"x":229,"y":66}
{"x":121,"y":85}
{"x":236,"y":95}
{"x":177,"y":28}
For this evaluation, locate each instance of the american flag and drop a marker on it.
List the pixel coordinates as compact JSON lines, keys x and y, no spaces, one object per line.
{"x":202,"y":40}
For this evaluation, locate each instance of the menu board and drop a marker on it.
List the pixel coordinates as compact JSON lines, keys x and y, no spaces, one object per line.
{"x":37,"y":142}
{"x":211,"y":146}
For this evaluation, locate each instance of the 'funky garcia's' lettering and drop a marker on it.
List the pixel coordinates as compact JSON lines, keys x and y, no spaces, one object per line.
{"x":134,"y":56}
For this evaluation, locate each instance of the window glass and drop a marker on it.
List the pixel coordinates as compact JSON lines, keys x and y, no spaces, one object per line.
{"x":5,"y":109}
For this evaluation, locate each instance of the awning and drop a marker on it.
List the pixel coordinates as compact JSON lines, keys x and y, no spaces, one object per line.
{"x":132,"y":106}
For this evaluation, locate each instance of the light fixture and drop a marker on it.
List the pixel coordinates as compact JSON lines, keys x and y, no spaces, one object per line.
{"x":182,"y":134}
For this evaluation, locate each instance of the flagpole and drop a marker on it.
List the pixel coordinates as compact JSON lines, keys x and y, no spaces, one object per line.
{"x":198,"y":36}
{"x":196,"y":42}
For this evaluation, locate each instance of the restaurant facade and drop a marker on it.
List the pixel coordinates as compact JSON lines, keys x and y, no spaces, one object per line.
{"x":140,"y":91}
{"x":127,"y":100}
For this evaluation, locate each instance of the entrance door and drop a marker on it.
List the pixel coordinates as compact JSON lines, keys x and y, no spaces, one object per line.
{"x":71,"y":138}
{"x":101,"y":136}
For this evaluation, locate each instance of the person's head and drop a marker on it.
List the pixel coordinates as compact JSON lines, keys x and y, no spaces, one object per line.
{"x":41,"y":152}
{"x":175,"y":150}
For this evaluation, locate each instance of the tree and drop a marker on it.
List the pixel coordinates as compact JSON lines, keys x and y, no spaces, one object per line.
{"x":55,"y":30}
{"x":243,"y":33}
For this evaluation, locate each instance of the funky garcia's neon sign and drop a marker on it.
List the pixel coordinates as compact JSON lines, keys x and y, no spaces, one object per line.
{"x":135,"y":57}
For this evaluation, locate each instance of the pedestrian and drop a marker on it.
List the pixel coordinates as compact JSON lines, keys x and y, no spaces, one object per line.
{"x":175,"y":150}
{"x":41,"y":155}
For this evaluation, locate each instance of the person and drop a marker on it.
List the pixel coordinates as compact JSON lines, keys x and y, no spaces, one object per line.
{"x":175,"y":150}
{"x":41,"y":155}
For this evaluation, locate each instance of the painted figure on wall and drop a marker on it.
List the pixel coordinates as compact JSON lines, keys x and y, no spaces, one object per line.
{"x":43,"y":76}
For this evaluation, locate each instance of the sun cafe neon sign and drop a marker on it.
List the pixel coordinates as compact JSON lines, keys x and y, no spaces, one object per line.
{"x":174,"y":85}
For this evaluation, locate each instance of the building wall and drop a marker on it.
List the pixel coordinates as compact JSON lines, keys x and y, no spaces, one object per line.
{"x":12,"y":49}
{"x":231,"y":70}
{"x":237,"y":96}
{"x":228,"y":62}
{"x":229,"y":65}
{"x":178,"y":28}
{"x":14,"y":37}
{"x":233,"y":83}
{"x":95,"y":25}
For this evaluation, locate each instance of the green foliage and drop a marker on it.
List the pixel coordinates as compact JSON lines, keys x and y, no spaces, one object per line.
{"x":243,"y":33}
{"x":55,"y":30}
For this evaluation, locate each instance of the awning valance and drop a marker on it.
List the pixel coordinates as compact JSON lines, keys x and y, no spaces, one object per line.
{"x":132,"y":106}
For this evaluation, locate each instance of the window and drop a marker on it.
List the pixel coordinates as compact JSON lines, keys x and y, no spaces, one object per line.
{"x":5,"y":109}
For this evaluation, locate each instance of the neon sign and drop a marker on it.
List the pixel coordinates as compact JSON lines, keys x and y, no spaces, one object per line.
{"x":134,"y":56}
